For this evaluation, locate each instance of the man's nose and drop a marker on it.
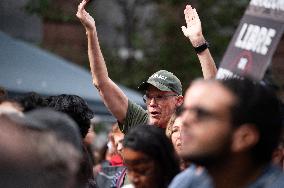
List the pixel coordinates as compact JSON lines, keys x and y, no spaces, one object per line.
{"x":186,"y":119}
{"x":152,"y":101}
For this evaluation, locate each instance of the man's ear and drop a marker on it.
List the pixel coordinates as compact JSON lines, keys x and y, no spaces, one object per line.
{"x":180,"y":100}
{"x":244,"y":138}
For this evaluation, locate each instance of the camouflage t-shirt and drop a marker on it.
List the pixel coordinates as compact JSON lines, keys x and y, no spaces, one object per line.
{"x":135,"y":115}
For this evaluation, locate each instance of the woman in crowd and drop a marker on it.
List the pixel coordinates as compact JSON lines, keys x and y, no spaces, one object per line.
{"x":149,"y":157}
{"x":173,"y":131}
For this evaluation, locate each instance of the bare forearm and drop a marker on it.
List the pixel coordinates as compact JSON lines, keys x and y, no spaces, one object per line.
{"x":96,"y":59}
{"x":113,"y":97}
{"x":193,"y":31}
{"x":207,"y":63}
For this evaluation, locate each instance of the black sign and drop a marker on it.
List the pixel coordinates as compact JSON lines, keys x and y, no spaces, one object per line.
{"x":255,"y":41}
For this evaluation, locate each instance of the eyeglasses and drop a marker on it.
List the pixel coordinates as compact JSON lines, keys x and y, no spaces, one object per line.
{"x":158,"y":98}
{"x":200,"y":113}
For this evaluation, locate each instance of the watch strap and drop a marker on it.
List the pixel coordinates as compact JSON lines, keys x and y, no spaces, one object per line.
{"x":200,"y":48}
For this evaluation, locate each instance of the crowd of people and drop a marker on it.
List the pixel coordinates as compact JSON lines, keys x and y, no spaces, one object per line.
{"x":221,"y":133}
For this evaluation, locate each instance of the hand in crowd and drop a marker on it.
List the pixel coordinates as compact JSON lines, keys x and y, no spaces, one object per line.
{"x":86,"y":19}
{"x":193,"y":29}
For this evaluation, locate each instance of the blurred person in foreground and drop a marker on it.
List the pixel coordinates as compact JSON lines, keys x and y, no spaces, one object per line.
{"x":163,"y":90}
{"x":9,"y":106}
{"x":34,"y":156}
{"x":230,"y":127}
{"x":77,"y":108}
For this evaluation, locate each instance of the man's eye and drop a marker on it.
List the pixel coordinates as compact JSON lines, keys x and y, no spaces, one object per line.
{"x":200,"y":113}
{"x":159,"y":97}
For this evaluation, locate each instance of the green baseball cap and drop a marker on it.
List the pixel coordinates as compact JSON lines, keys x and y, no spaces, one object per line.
{"x":164,"y":81}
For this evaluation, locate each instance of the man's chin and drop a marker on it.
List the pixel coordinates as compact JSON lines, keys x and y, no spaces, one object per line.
{"x":155,"y":122}
{"x":202,"y":160}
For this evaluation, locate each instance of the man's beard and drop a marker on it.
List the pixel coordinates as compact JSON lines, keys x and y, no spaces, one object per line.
{"x":205,"y":161}
{"x":210,"y":158}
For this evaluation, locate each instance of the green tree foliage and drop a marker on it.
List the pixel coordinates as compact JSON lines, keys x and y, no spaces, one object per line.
{"x":52,"y":10}
{"x":171,"y":50}
{"x":168,"y":48}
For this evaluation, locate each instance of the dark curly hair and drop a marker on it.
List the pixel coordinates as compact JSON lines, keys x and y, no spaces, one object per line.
{"x":31,"y":101}
{"x":75,"y":107}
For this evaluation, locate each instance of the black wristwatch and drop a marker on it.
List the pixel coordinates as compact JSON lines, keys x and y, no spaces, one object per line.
{"x":201,"y":47}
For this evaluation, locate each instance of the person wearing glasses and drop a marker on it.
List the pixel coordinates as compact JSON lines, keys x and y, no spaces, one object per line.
{"x":231,"y":128}
{"x":163,"y":90}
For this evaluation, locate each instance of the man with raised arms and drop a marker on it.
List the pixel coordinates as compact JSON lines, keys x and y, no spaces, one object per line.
{"x":163,"y":90}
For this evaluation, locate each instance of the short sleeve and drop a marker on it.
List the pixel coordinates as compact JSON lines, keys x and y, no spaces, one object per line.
{"x":135,"y":115}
